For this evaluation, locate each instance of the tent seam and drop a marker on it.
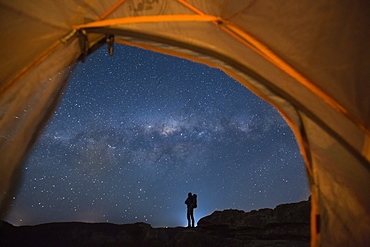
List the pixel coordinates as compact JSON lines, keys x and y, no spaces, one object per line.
{"x":146,"y":19}
{"x":110,"y":10}
{"x":28,"y":68}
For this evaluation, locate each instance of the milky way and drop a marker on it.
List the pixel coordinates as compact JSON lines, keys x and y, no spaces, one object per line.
{"x":137,"y":131}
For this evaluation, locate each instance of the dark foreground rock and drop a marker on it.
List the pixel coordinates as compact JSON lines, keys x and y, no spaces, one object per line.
{"x":286,"y":225}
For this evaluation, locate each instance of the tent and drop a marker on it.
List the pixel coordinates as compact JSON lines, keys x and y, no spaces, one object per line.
{"x":309,"y":59}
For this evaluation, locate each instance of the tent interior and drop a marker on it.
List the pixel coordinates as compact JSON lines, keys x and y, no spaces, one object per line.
{"x":308,"y":59}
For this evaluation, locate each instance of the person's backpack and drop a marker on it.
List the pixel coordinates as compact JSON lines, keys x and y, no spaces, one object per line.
{"x":195,"y":201}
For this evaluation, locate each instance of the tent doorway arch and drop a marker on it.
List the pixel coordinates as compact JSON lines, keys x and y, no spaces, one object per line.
{"x":200,"y":131}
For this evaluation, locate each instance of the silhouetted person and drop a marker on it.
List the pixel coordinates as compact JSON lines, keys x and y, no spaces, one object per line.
{"x":191,"y":203}
{"x":195,"y":201}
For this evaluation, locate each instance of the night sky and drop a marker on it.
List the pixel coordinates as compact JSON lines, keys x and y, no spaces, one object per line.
{"x":136,"y":131}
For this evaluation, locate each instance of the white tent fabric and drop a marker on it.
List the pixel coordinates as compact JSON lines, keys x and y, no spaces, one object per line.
{"x":310,"y":59}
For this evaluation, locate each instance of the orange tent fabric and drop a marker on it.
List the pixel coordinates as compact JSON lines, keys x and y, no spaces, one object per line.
{"x":310,"y":59}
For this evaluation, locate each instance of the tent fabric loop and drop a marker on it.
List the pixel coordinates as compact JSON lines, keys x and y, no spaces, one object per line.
{"x":72,"y":34}
{"x":110,"y":43}
{"x":84,"y":44}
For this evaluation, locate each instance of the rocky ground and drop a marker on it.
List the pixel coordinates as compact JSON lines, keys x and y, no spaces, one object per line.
{"x":286,"y":225}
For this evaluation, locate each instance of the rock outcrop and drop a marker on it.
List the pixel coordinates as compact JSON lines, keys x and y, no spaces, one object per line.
{"x":286,"y":225}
